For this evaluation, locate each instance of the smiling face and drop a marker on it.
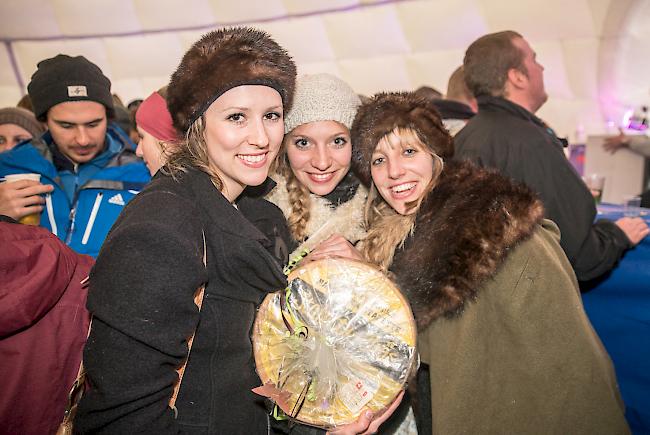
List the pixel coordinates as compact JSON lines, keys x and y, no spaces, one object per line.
{"x":319,"y":154}
{"x":78,"y":129}
{"x":401,"y":170}
{"x":243,"y":132}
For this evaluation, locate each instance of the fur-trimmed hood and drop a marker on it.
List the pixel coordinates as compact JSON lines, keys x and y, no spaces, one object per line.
{"x":464,"y":230}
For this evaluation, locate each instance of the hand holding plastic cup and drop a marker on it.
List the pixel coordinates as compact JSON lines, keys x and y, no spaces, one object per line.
{"x":632,"y":206}
{"x":30,"y":219}
{"x":595,"y":183}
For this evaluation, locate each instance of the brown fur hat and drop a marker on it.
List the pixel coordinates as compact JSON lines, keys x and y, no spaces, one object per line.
{"x":387,"y":111}
{"x":222,"y":60}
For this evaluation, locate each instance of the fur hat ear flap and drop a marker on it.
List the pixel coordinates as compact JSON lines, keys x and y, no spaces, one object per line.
{"x":222,"y":60}
{"x":385,"y":112}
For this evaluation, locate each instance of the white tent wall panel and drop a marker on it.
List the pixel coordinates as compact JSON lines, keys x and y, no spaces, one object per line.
{"x":140,"y":88}
{"x":306,"y":39}
{"x":315,"y":6}
{"x":28,"y":18}
{"x":173,"y":14}
{"x":441,"y":25}
{"x":366,"y":33}
{"x":624,"y":62}
{"x":551,"y":56}
{"x":433,"y":68}
{"x":632,"y":71}
{"x":245,"y":11}
{"x":625,"y":87}
{"x":95,"y":17}
{"x":367,"y":76}
{"x":10,"y":94}
{"x":320,"y":67}
{"x":539,"y":20}
{"x":29,"y":53}
{"x":187,"y":39}
{"x":10,"y":91}
{"x":581,"y":65}
{"x":148,"y":55}
{"x":7,"y":76}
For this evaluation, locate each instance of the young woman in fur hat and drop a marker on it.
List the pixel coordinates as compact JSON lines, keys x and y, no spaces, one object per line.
{"x":196,"y":224}
{"x":502,"y":327}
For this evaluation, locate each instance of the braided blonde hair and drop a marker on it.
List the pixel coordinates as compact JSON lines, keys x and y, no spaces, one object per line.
{"x":387,"y":229}
{"x":298,"y":197}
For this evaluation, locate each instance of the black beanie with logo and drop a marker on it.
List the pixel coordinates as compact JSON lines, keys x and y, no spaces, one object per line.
{"x":64,"y":78}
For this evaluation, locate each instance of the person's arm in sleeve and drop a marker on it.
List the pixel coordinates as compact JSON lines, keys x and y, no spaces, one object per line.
{"x":141,"y":295}
{"x":593,"y":248}
{"x":639,"y":144}
{"x":602,"y":248}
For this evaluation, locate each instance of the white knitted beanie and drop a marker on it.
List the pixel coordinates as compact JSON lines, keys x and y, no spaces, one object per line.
{"x":322,"y":97}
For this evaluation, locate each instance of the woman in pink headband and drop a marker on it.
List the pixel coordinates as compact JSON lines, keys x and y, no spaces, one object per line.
{"x":157,"y":134}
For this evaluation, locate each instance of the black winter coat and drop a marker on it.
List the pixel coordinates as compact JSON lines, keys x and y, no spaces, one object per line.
{"x":141,"y":295}
{"x":505,"y":136}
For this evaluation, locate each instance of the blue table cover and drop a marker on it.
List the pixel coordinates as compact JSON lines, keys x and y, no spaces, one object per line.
{"x":619,"y":309}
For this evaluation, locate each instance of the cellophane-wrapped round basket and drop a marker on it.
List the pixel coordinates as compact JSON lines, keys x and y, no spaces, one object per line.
{"x":340,"y":339}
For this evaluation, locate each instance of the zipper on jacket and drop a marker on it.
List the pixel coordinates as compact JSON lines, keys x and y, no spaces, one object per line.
{"x":93,"y":216}
{"x":50,"y":214}
{"x":73,"y":209}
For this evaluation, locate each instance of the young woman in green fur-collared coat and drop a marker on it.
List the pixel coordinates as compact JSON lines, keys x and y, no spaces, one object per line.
{"x":501,"y":323}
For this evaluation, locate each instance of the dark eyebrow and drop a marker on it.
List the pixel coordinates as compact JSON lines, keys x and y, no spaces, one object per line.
{"x":94,"y":121}
{"x":248,"y":109}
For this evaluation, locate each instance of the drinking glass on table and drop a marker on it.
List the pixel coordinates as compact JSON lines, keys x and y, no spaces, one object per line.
{"x":595,"y":183}
{"x":632,"y":206}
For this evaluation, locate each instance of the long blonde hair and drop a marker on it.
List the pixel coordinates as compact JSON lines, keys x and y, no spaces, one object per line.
{"x":387,"y":229}
{"x":192,"y":152}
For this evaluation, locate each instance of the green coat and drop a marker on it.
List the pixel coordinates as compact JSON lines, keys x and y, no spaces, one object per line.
{"x":502,"y":326}
{"x":524,"y":326}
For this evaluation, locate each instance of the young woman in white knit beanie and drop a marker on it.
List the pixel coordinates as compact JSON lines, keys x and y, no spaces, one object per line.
{"x":315,"y":184}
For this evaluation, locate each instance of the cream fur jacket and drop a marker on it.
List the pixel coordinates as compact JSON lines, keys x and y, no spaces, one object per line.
{"x":346,"y":218}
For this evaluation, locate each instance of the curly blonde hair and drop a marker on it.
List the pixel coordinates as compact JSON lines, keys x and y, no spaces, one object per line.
{"x":387,"y":229}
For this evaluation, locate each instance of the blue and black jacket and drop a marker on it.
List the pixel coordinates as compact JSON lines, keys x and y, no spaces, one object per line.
{"x":87,"y":198}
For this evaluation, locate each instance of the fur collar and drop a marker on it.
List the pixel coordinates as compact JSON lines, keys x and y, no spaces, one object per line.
{"x":347,"y":217}
{"x":463,"y":232}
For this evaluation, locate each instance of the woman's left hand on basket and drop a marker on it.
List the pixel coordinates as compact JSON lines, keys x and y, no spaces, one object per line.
{"x":334,"y":246}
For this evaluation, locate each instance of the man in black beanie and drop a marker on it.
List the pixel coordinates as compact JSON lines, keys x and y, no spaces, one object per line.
{"x":89,"y":167}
